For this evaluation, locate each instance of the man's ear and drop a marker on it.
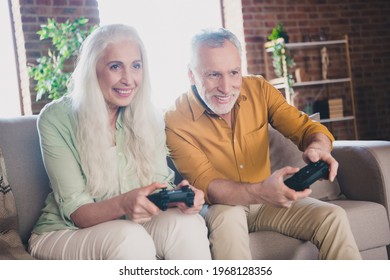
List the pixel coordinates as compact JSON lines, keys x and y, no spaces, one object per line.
{"x":191,"y":76}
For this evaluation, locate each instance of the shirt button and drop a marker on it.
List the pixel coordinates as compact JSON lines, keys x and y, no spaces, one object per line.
{"x":120,"y":154}
{"x":241,"y":166}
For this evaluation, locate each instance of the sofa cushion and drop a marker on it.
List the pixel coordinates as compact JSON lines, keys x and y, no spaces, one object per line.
{"x":368,"y":221}
{"x":364,"y":170}
{"x":11,"y":246}
{"x":284,"y":152}
{"x":26,"y":174}
{"x":369,"y":225}
{"x":268,"y":245}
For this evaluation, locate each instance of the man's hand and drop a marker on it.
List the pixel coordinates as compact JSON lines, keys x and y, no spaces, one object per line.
{"x":271,"y":191}
{"x":274,"y":192}
{"x":319,"y":147}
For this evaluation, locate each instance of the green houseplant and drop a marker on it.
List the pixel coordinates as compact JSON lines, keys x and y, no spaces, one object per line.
{"x":280,"y":50}
{"x":52,"y":71}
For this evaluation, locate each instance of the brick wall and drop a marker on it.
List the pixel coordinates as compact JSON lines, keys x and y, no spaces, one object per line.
{"x":367,"y":24}
{"x":28,"y":15}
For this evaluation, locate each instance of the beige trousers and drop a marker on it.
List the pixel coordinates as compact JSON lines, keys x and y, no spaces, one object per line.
{"x":170,"y":235}
{"x":324,"y":224}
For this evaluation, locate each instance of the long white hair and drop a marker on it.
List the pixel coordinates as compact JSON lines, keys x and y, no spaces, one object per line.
{"x":94,"y":137}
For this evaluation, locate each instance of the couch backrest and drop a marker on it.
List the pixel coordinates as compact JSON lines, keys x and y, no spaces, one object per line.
{"x":19,"y":142}
{"x":284,"y":152}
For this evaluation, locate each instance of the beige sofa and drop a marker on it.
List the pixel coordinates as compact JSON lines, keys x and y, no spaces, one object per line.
{"x":363,"y":189}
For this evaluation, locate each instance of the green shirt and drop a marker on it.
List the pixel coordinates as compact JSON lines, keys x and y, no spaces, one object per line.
{"x":57,"y":131}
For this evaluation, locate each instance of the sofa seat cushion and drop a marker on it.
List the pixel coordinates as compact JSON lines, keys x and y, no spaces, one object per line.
{"x":368,"y":221}
{"x":369,"y":225}
{"x":269,"y":245}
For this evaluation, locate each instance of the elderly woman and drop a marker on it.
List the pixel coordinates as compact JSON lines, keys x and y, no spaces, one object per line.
{"x":103,"y":146}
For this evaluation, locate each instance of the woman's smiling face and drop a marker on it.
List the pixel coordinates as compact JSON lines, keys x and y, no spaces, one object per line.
{"x":120,"y":73}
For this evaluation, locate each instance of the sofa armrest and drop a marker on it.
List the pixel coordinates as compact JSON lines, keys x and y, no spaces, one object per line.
{"x":364,"y":171}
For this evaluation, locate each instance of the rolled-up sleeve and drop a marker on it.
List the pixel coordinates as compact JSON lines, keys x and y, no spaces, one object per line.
{"x":190,"y":159}
{"x":62,"y":162}
{"x":188,"y":152}
{"x":287,"y":119}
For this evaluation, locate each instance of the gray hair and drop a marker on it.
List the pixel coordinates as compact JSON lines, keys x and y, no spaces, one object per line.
{"x":139,"y":118}
{"x":214,"y":38}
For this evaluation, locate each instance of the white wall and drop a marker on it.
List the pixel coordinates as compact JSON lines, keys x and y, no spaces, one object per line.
{"x":166,"y":28}
{"x":9,"y":90}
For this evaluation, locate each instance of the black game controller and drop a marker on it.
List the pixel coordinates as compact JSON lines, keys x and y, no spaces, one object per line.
{"x":164,"y":197}
{"x":308,"y":175}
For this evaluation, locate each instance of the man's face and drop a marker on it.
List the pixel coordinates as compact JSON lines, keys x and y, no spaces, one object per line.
{"x":217,"y":76}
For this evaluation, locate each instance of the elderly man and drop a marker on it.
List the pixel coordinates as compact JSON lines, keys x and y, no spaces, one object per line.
{"x":217,"y":134}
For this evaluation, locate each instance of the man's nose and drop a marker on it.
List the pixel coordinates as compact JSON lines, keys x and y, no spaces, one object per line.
{"x":225,"y":85}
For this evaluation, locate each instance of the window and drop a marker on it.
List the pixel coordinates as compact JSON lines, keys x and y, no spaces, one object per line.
{"x":9,"y":89}
{"x":166,"y":28}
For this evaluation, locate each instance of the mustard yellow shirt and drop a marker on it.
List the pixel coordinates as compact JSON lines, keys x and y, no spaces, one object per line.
{"x":204,"y":147}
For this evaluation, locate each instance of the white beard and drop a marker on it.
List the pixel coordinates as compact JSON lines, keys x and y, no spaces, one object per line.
{"x":221,"y":109}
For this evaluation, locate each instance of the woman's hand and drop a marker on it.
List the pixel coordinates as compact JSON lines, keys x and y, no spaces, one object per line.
{"x":198,"y":199}
{"x":137,"y":206}
{"x":134,"y":204}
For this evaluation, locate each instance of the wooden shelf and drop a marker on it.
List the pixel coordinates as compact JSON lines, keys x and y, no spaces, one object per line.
{"x":321,"y":82}
{"x":303,"y":45}
{"x":282,"y":84}
{"x":279,"y":82}
{"x":337,"y":119}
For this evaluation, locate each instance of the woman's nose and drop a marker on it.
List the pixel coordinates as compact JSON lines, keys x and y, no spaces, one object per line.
{"x":126,"y":78}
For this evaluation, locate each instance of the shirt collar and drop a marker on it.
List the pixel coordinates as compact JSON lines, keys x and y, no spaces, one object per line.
{"x":198,"y":107}
{"x":119,"y":120}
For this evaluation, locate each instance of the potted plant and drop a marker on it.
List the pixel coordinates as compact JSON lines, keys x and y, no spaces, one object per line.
{"x":279,"y":38}
{"x":52,"y":71}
